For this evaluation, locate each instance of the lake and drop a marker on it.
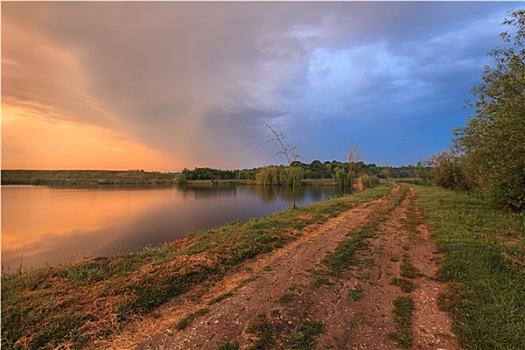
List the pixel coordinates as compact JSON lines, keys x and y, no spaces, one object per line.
{"x":44,"y":225}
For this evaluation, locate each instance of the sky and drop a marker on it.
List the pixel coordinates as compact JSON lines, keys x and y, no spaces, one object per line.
{"x":171,"y":85}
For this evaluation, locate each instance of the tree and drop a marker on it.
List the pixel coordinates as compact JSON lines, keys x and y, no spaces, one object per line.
{"x":423,"y":173}
{"x":445,"y":170}
{"x":355,"y":164}
{"x":385,"y":172}
{"x":492,"y":144}
{"x":267,"y":176}
{"x":345,"y":178}
{"x":293,"y":173}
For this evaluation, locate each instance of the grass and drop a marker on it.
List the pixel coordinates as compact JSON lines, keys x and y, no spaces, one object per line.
{"x":229,"y":346}
{"x":343,"y":257}
{"x":321,"y":281}
{"x":406,"y":285}
{"x":403,"y":311}
{"x":485,"y":266}
{"x":263,"y":330}
{"x":186,"y":321}
{"x":303,"y":337}
{"x":79,"y":302}
{"x":344,"y":254}
{"x":408,"y":270}
{"x":220,"y":298}
{"x":287,"y":298}
{"x":356,"y":293}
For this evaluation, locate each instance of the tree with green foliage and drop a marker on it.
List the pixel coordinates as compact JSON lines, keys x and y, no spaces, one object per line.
{"x":492,"y":143}
{"x":446,"y":171}
{"x":423,"y":173}
{"x":385,"y":172}
{"x":267,"y":176}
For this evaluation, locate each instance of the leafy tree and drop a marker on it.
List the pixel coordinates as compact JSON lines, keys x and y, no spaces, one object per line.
{"x":423,"y":173}
{"x":343,"y":180}
{"x":268,"y":176}
{"x":446,"y":171}
{"x":492,"y":143}
{"x":385,"y":172}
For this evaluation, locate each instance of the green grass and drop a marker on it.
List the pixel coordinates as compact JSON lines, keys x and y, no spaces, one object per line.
{"x":343,"y":256}
{"x":321,"y":281}
{"x":263,"y":330}
{"x":485,"y":267}
{"x":287,"y":298}
{"x":76,"y":303}
{"x":356,"y":293}
{"x":406,"y":285}
{"x":220,"y":298}
{"x":303,"y":337}
{"x":408,"y":270}
{"x":403,"y":312}
{"x":229,"y":346}
{"x":186,"y":321}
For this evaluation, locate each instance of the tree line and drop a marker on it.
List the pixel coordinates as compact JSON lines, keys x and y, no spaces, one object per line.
{"x":488,"y":154}
{"x":314,"y":170}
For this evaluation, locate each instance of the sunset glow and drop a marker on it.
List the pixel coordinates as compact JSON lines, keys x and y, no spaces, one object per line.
{"x":31,"y":141}
{"x":172,"y":85}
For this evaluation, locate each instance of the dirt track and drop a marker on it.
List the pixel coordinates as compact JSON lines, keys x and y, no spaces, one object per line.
{"x":291,"y":286}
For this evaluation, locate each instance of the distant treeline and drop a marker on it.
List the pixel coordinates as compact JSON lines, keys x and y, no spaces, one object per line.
{"x":84,"y":177}
{"x":315,"y":170}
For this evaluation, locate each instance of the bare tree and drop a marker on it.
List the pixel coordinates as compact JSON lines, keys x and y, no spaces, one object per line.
{"x":290,"y":152}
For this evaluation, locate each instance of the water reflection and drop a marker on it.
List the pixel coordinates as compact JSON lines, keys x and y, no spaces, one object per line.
{"x":50,"y":225}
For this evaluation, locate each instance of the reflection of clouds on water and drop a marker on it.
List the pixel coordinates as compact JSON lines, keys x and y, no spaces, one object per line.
{"x":134,"y":219}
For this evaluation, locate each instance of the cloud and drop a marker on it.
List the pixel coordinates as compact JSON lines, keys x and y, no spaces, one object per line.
{"x":199,"y":81}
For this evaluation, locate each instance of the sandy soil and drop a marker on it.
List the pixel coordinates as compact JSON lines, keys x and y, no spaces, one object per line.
{"x":290,"y":286}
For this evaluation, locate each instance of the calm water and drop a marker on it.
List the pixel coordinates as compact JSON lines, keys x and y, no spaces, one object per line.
{"x":43,"y":225}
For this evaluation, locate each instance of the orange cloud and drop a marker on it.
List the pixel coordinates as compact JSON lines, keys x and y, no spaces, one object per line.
{"x":31,"y":141}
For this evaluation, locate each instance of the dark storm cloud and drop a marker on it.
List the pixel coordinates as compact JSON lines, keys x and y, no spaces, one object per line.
{"x":200,"y":80}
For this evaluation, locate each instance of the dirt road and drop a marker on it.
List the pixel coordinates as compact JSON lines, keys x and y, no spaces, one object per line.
{"x":289,"y":299}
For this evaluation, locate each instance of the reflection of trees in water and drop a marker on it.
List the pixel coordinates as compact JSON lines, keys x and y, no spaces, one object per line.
{"x":267,"y":194}
{"x":205,"y":191}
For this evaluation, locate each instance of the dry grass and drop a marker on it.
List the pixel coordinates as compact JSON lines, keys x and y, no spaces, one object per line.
{"x":85,"y":302}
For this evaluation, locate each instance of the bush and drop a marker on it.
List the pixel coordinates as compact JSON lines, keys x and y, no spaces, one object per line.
{"x":368,"y":181}
{"x":267,"y":176}
{"x":446,"y":171}
{"x":493,"y":141}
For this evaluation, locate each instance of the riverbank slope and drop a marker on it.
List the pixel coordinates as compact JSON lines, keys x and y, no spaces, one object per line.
{"x":354,"y":272}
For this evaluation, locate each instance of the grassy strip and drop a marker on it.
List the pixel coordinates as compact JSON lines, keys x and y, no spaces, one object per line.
{"x":85,"y":177}
{"x":343,"y":257}
{"x":263,"y":330}
{"x":188,"y":320}
{"x":406,"y":285}
{"x":485,"y":265}
{"x":79,"y":302}
{"x":403,"y":312}
{"x":408,"y":270}
{"x":229,"y":346}
{"x":344,"y":254}
{"x":220,"y":298}
{"x":303,"y":337}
